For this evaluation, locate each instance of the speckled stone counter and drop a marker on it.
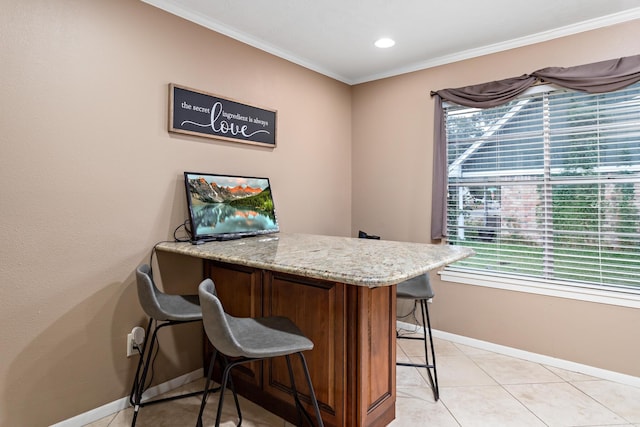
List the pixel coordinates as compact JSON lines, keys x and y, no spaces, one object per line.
{"x":361,"y":262}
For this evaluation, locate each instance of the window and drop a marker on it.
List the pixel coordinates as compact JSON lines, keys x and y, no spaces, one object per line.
{"x":547,"y":187}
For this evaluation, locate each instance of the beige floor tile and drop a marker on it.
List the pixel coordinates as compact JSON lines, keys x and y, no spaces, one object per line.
{"x":459,"y":371}
{"x":473,"y":351}
{"x":417,"y":331}
{"x":416,"y":407}
{"x":509,"y":370}
{"x":612,"y":425}
{"x":407,"y":376}
{"x":417,"y":395}
{"x":167,"y":414}
{"x":411,"y":347}
{"x":184,"y":412}
{"x":486,"y":406}
{"x":416,"y":347}
{"x":561,"y":404}
{"x":622,"y":399}
{"x":252,"y":415}
{"x":104,"y":422}
{"x":446,"y":348}
{"x":401,"y":356}
{"x":122,"y":419}
{"x":569,"y":375}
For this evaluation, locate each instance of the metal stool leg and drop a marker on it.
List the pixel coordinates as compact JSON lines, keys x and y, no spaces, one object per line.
{"x":301,"y":412}
{"x":136,"y":379}
{"x":206,"y":388}
{"x":221,"y":389}
{"x":314,"y":401}
{"x":233,"y":390}
{"x":429,"y":365}
{"x":139,"y":385}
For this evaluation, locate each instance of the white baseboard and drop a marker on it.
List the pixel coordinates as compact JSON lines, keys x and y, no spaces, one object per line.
{"x":120,"y":404}
{"x":526,"y":355}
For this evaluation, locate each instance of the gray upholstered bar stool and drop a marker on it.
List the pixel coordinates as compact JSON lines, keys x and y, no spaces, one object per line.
{"x":250,"y":339}
{"x":419,"y":290}
{"x":165,"y":310}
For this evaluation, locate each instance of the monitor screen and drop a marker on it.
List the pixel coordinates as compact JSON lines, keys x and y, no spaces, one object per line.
{"x":223,"y":207}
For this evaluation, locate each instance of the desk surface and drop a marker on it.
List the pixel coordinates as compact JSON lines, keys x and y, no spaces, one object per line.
{"x":361,"y":262}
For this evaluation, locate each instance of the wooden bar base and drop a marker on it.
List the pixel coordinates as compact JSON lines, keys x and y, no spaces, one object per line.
{"x":352,"y":364}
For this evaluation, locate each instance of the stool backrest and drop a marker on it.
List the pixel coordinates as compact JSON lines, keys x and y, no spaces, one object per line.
{"x":418,"y":287}
{"x":148,"y":293}
{"x":216,"y":321}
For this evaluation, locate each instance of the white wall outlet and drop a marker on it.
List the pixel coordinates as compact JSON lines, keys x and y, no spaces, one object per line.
{"x":131,"y":351}
{"x":135,"y":341}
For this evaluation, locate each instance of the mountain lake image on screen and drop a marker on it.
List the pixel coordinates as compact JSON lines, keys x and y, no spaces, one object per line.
{"x":223,"y":207}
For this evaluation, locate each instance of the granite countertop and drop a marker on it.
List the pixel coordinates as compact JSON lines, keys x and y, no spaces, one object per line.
{"x":361,"y":262}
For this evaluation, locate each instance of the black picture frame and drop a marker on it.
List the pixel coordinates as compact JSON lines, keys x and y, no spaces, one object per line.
{"x":199,"y":113}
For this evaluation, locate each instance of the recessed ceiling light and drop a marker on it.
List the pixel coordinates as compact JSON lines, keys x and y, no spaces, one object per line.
{"x":384,"y":43}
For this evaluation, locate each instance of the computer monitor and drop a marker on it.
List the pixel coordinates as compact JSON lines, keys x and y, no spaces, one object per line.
{"x":223,"y":207}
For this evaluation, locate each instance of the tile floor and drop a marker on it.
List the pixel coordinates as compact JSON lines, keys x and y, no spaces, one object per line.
{"x":477,"y":388}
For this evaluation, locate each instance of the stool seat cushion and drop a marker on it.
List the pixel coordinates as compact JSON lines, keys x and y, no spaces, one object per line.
{"x":418,"y":287}
{"x":268,"y":336}
{"x":259,"y":337}
{"x":180,"y":307}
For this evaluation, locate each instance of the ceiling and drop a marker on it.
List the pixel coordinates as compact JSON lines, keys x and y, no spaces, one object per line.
{"x":335,"y":37}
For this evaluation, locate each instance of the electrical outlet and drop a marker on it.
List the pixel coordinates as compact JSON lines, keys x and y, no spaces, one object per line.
{"x":131,"y":351}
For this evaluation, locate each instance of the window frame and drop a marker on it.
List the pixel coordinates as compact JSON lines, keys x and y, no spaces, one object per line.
{"x":625,"y":297}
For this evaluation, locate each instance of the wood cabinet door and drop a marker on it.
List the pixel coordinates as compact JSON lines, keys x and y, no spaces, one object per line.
{"x":371,"y":352}
{"x":318,"y":309}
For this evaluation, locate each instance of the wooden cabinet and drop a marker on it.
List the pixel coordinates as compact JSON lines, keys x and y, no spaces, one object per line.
{"x":352,"y":364}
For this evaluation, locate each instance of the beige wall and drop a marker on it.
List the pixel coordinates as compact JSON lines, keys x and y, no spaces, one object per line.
{"x":91,"y":179}
{"x":391,"y":170}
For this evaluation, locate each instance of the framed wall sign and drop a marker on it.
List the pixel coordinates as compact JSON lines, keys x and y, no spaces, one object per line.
{"x":199,"y":113}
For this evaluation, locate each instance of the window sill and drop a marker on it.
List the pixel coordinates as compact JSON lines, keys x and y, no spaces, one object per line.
{"x":494,"y":280}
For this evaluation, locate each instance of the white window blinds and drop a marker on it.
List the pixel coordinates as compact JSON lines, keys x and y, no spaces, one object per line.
{"x":548,"y":186}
